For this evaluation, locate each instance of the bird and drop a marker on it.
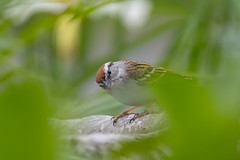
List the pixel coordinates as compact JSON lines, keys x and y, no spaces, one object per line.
{"x":129,"y":82}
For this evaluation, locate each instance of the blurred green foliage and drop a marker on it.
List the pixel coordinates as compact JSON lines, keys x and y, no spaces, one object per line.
{"x":50,"y":51}
{"x":25,"y":133}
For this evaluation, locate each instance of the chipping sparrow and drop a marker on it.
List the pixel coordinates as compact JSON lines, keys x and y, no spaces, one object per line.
{"x":129,"y":82}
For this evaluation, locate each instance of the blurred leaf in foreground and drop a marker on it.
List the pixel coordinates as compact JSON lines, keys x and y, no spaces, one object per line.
{"x":23,"y":119}
{"x":198,"y":130}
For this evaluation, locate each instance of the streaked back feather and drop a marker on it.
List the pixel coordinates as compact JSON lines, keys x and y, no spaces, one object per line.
{"x":145,"y":73}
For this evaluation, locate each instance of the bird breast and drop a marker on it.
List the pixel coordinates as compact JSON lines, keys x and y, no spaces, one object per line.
{"x":131,"y":94}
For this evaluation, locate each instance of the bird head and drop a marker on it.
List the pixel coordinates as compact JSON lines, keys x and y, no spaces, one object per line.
{"x":103,"y":76}
{"x":110,"y":74}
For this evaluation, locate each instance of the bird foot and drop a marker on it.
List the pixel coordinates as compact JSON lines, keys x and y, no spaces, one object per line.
{"x":116,"y":118}
{"x":137,"y":115}
{"x":125,"y":113}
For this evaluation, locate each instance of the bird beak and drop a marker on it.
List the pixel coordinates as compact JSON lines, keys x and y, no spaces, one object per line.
{"x":107,"y":84}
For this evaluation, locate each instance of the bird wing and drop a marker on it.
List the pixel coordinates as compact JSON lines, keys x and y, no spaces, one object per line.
{"x":145,"y":73}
